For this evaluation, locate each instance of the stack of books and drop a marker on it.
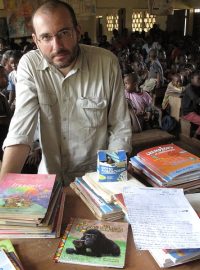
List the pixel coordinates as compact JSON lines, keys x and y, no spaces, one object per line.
{"x":101,"y":197}
{"x":8,"y":256}
{"x":168,"y":258}
{"x":101,"y":209}
{"x":31,"y":206}
{"x":168,"y":166}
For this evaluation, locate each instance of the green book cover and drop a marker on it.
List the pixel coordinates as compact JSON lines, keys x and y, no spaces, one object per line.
{"x":93,"y":242}
{"x":9,"y":249}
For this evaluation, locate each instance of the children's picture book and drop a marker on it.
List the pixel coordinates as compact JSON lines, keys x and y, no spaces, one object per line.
{"x":171,"y":162}
{"x":94,"y":243}
{"x":8,"y":249}
{"x":172,"y":257}
{"x":25,"y":195}
{"x":49,"y":227}
{"x":5,"y":263}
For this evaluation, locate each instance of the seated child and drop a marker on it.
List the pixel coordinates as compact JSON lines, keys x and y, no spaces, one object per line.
{"x":173,"y":88}
{"x":13,"y":59}
{"x":190,"y":105}
{"x":5,"y":113}
{"x":140,"y":100}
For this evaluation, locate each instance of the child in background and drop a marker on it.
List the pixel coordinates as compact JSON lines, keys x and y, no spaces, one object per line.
{"x":13,"y":60}
{"x":140,"y":100}
{"x":190,"y":105}
{"x":175,"y":87}
{"x":5,"y":113}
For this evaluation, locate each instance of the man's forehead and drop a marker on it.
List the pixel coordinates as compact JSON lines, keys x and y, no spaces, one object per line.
{"x":47,"y":21}
{"x":58,"y":14}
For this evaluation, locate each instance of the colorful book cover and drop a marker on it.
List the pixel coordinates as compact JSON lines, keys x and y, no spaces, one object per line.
{"x":5,"y":262}
{"x":137,"y":163}
{"x":178,"y":255}
{"x":7,"y":246}
{"x":25,"y":194}
{"x":169,"y":160}
{"x":93,"y":242}
{"x":173,"y":257}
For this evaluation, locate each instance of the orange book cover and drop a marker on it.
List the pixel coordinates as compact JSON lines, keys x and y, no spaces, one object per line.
{"x":169,"y":161}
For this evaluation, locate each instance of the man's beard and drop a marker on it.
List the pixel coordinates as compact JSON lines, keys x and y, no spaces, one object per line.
{"x":70,"y":57}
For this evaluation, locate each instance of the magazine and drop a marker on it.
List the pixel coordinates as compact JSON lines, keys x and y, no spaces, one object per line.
{"x":155,"y":180}
{"x":93,"y":242}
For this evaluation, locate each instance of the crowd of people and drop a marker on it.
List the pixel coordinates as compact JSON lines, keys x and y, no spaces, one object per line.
{"x":158,"y":60}
{"x":10,"y":54}
{"x":72,"y":92}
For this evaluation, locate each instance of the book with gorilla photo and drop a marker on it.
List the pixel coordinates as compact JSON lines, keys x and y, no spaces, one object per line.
{"x":94,"y":243}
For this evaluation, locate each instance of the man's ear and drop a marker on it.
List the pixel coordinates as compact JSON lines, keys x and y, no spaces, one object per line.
{"x":35,"y":39}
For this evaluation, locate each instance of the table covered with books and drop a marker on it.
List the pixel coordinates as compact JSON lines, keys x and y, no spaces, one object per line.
{"x":37,"y":254}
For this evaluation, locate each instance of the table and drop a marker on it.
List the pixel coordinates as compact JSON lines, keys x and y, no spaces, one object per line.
{"x":37,"y":254}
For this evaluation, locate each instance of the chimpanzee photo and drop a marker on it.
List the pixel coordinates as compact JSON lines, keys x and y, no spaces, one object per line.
{"x":94,"y":243}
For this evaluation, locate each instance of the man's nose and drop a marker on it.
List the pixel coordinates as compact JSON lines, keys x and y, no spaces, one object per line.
{"x":57,"y":42}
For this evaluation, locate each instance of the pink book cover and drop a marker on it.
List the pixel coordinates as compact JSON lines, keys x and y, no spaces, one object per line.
{"x":22,"y":194}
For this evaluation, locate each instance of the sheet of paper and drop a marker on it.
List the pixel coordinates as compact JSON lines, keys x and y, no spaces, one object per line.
{"x":161,"y":218}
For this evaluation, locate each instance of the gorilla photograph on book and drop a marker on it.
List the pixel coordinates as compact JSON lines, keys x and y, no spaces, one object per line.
{"x":93,"y":242}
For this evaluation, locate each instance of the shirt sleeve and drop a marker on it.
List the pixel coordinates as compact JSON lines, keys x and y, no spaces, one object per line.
{"x":119,"y":124}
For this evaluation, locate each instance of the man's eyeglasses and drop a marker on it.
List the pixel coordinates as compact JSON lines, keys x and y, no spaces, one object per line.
{"x":65,"y":34}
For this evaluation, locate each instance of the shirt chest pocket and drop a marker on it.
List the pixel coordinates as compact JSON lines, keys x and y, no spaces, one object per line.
{"x":92,"y":111}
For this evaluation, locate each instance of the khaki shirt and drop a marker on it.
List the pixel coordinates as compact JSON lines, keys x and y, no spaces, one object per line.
{"x":78,"y":114}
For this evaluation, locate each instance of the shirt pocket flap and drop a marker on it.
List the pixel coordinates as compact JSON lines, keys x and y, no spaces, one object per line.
{"x":92,"y":103}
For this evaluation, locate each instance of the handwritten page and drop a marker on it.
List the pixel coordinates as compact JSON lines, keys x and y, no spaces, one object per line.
{"x":161,"y":218}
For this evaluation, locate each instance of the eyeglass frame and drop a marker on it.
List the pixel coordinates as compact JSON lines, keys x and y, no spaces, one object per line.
{"x":60,"y":35}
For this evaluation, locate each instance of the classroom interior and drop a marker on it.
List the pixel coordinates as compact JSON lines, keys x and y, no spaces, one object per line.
{"x":176,"y":21}
{"x":175,"y":28}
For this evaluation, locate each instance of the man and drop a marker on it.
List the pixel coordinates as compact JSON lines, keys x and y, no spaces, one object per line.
{"x":76,"y":90}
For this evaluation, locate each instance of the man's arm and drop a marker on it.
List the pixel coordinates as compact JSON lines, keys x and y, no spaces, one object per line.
{"x":14,"y":159}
